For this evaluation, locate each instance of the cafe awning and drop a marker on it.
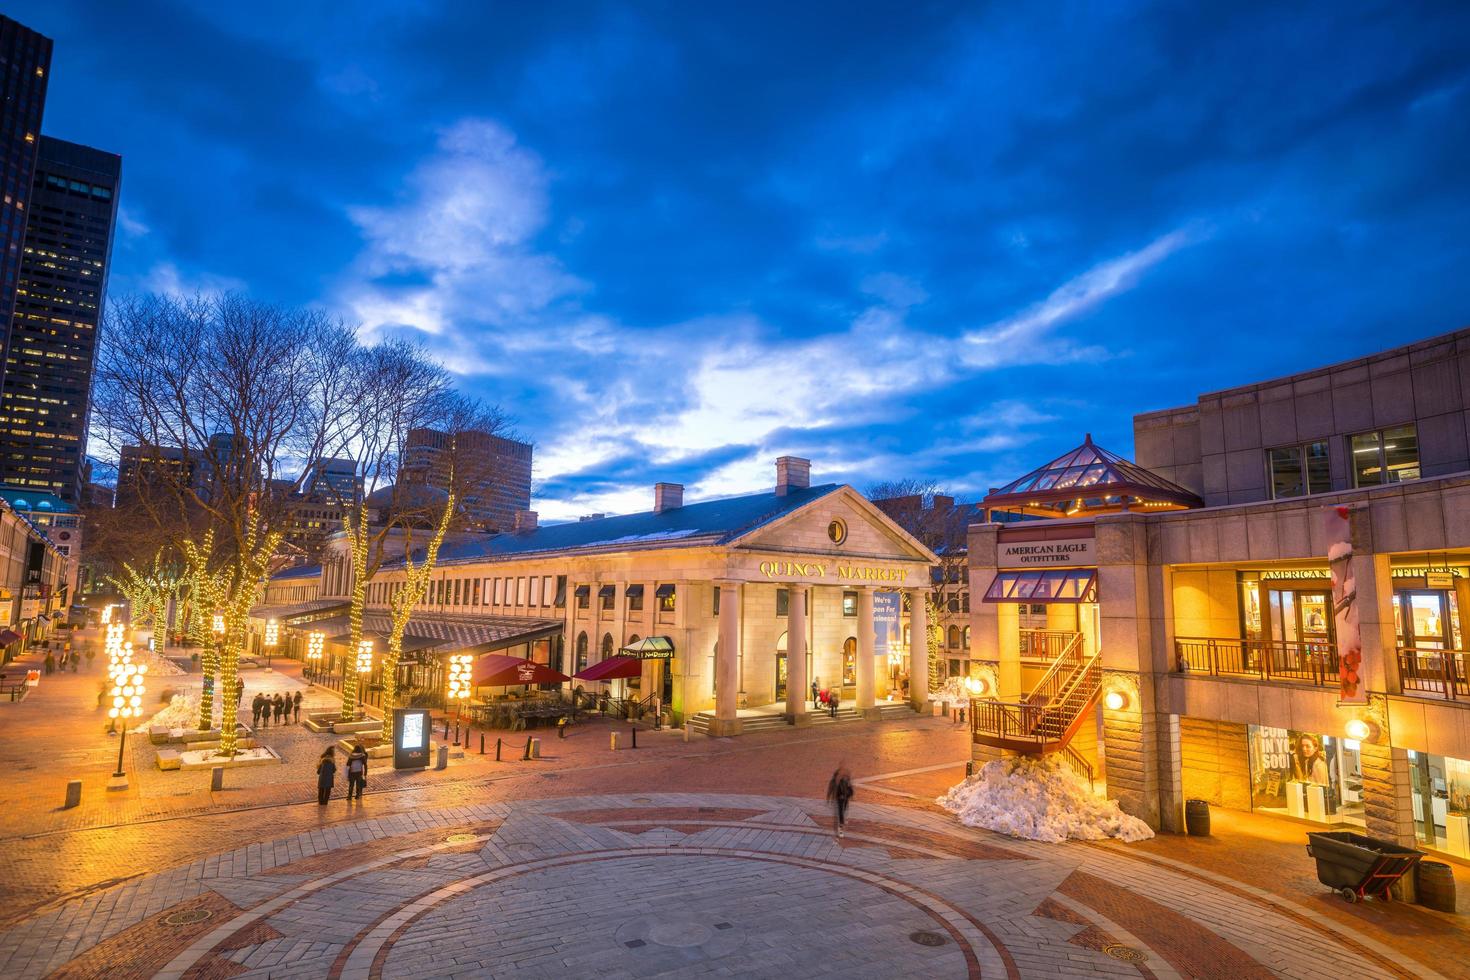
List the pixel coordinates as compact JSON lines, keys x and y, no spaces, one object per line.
{"x":441,"y":633}
{"x":611,"y":669}
{"x":1044,"y":585}
{"x":650,"y":648}
{"x":665,"y":590}
{"x":497,"y":670}
{"x":8,"y":637}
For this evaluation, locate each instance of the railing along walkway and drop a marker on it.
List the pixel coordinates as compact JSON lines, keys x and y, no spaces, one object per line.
{"x":1309,"y":662}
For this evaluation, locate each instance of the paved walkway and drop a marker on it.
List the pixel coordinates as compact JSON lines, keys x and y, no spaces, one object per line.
{"x":687,"y":885}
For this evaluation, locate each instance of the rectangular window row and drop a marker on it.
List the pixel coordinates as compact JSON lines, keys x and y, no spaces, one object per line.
{"x":1376,"y":458}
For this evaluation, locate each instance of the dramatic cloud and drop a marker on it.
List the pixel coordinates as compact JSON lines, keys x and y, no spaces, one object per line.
{"x":676,"y":242}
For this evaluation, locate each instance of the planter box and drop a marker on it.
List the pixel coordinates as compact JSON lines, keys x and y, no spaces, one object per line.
{"x":354,"y":727}
{"x":262,"y":756}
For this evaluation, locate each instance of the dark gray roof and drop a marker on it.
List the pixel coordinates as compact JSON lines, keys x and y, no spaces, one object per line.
{"x":300,"y":571}
{"x":712,"y":522}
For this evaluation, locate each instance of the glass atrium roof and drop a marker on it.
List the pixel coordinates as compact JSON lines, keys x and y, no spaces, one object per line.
{"x":1089,"y":480}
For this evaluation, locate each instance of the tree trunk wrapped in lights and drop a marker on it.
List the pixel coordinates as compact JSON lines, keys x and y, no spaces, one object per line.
{"x":245,"y":585}
{"x":356,"y":529}
{"x":936,"y":641}
{"x":203,"y":597}
{"x":401,"y":607}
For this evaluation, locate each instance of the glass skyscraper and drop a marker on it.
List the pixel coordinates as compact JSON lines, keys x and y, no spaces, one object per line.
{"x":25,"y":63}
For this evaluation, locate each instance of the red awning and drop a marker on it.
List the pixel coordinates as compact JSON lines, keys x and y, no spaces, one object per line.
{"x":496,"y":670}
{"x":611,"y":669}
{"x":1050,"y":585}
{"x":8,"y":637}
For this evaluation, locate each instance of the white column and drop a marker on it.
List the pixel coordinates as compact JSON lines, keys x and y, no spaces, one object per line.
{"x":918,"y":648}
{"x":727,"y":661}
{"x":796,"y":679}
{"x":866,"y":683}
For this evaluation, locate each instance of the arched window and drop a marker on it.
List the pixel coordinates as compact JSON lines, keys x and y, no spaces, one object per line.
{"x":607,"y":646}
{"x":967,"y":638}
{"x":849,"y":662}
{"x":954,"y":636}
{"x":582,"y":651}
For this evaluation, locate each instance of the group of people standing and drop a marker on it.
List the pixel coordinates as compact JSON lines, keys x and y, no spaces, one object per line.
{"x":831,"y":699}
{"x":282,"y":708}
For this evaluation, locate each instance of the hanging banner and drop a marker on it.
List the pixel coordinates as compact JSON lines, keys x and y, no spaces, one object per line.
{"x":885,"y":623}
{"x":1350,"y":672}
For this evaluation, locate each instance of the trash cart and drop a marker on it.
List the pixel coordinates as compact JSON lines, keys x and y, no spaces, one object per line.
{"x":1355,"y":866}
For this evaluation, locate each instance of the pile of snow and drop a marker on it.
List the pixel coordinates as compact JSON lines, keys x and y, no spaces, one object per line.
{"x":953,"y":690}
{"x":182,"y":711}
{"x":158,"y":665}
{"x":1039,"y":799}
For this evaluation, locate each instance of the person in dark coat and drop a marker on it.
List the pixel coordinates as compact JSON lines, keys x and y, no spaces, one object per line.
{"x":326,"y":775}
{"x":839,"y":793}
{"x":280,"y":708}
{"x":257,"y":704}
{"x":50,"y":662}
{"x":357,"y":763}
{"x":239,"y":690}
{"x":296,"y":706}
{"x":832,"y":699}
{"x":816,"y":693}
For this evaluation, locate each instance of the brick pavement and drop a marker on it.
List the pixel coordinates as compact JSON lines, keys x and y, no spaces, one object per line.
{"x":680,"y":884}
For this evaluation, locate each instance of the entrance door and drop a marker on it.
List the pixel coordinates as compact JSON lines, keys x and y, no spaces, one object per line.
{"x":780,"y":674}
{"x":1424,"y":619}
{"x":1300,"y":617}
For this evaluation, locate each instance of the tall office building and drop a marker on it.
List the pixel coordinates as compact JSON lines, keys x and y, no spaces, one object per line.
{"x":25,"y":62}
{"x":51,"y":351}
{"x":494,"y":473}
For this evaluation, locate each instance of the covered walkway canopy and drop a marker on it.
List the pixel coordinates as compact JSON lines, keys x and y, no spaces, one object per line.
{"x":1088,"y":480}
{"x":446,"y":633}
{"x":286,"y":612}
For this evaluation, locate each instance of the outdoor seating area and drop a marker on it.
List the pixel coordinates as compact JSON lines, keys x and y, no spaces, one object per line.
{"x":518,"y":712}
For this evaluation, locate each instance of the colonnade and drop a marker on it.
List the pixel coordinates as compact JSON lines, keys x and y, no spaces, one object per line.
{"x":728,"y":653}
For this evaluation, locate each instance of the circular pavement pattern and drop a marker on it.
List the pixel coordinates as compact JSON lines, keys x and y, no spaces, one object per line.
{"x":682,"y":885}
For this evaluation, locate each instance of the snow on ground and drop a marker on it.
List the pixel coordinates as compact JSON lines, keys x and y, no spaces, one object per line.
{"x":1039,"y":799}
{"x":182,"y":711}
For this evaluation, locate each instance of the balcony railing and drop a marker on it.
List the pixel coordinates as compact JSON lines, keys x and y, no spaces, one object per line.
{"x":1045,"y":644}
{"x":1443,"y":673}
{"x":1268,"y":660}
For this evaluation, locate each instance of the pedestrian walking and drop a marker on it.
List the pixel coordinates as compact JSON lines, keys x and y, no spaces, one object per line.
{"x":257,"y":703}
{"x":326,"y":775}
{"x":280,"y":707}
{"x":357,"y":762}
{"x":832,"y":699}
{"x":50,"y":662}
{"x":239,"y":690}
{"x":296,"y":706}
{"x":839,"y":793}
{"x":816,"y":693}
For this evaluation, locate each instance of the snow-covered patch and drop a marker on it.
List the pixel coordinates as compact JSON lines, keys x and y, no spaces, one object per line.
{"x":158,"y":665}
{"x":182,"y":711}
{"x":1039,"y":799}
{"x":953,"y":690}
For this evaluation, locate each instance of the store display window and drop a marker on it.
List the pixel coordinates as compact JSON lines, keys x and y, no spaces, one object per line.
{"x":1441,"y":798}
{"x":1305,"y":775}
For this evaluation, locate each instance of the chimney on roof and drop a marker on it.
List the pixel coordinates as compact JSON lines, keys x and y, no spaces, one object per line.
{"x":667,"y":496}
{"x":943,"y":502}
{"x":792,"y":473}
{"x":591,"y":517}
{"x":525,"y":521}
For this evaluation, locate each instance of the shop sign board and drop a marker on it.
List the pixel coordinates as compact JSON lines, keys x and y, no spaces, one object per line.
{"x":410,"y":738}
{"x":885,"y":623}
{"x":1439,"y":580}
{"x":1041,"y":554}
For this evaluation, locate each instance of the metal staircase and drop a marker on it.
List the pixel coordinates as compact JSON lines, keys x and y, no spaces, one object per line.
{"x":1048,"y":717}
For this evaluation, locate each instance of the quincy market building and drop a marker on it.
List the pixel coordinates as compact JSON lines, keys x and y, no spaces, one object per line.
{"x":1181,"y":612}
{"x":756,"y":597}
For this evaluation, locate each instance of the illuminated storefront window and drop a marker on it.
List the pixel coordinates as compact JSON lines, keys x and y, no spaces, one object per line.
{"x":1441,"y":795}
{"x":1305,"y":775}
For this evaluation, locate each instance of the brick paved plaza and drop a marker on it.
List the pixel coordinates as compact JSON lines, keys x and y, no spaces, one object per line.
{"x":713,"y":857}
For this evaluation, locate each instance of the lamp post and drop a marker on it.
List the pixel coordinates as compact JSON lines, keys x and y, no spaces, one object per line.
{"x":314,"y":644}
{"x":459,"y":679}
{"x":364,"y":668}
{"x":127,"y":696}
{"x":272,"y":637}
{"x":113,"y":646}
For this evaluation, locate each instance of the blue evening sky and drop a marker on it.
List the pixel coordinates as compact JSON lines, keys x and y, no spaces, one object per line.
{"x":677,"y":240}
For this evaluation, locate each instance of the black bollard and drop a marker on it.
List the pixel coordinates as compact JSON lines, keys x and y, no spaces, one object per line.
{"x":635,"y":735}
{"x":527,"y":756}
{"x":497,"y":750}
{"x":456,"y":733}
{"x":482,"y":743}
{"x":446,"y":729}
{"x":970,"y":768}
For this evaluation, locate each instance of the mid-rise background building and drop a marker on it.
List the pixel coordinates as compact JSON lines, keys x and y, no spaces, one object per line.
{"x":494,"y":481}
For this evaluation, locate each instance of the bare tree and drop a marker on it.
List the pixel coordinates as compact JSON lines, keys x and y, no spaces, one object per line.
{"x":237,"y":400}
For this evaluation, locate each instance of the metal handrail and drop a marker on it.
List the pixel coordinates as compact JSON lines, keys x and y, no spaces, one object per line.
{"x":1429,"y":670}
{"x":1034,"y":721}
{"x":1079,"y":764}
{"x":1045,"y":644}
{"x":1311,"y":662}
{"x":1061,"y":670}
